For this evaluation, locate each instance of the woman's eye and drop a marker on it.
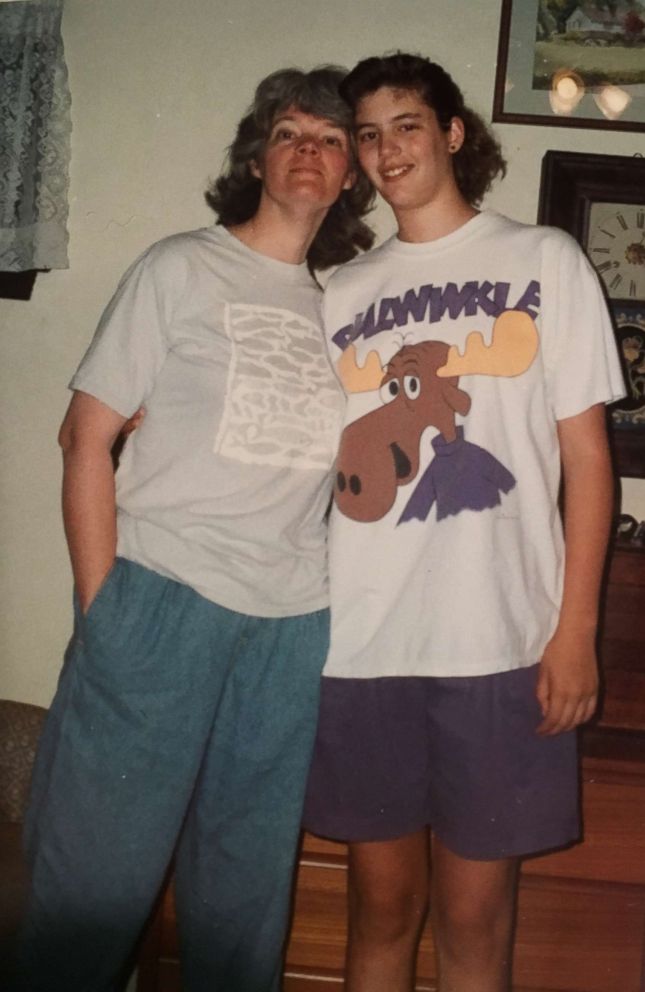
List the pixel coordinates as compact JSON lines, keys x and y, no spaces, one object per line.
{"x":411,"y":386}
{"x":366,"y":136}
{"x":284,"y":134}
{"x":389,"y":390}
{"x":333,"y":140}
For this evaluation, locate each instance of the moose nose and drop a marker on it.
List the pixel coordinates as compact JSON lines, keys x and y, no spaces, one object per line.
{"x":353,"y":483}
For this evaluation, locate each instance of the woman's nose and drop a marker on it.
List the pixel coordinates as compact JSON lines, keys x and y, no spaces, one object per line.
{"x":308,"y":145}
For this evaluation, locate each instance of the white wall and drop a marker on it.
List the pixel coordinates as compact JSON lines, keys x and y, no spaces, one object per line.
{"x":157,"y":88}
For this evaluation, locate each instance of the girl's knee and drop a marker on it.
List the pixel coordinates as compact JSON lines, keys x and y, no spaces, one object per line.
{"x":388,"y":888}
{"x":477,"y":921}
{"x":388,"y":916}
{"x":472,"y":899}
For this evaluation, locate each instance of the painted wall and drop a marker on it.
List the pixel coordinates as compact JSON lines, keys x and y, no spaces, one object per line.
{"x":157,"y":88}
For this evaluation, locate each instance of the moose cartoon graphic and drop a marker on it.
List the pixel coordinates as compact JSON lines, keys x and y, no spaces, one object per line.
{"x":419,"y":388}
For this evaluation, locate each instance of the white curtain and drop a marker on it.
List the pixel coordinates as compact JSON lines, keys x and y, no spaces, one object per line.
{"x":35,"y":127}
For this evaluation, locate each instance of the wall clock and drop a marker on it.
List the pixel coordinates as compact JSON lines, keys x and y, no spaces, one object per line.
{"x":616,"y":247}
{"x":600,"y":200}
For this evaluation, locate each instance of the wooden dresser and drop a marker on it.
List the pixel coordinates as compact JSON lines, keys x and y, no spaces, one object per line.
{"x":581,"y":915}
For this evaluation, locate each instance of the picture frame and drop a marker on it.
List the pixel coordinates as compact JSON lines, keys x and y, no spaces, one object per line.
{"x":589,"y":75}
{"x":600,"y":201}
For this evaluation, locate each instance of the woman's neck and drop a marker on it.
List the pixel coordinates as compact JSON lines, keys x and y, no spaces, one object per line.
{"x":278,"y":233}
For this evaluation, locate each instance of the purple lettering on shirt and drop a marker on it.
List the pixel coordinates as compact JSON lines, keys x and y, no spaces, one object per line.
{"x":431,"y":303}
{"x":530,"y":299}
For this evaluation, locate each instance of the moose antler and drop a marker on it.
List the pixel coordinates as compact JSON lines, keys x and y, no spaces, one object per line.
{"x":513,"y":347}
{"x":356,"y":379}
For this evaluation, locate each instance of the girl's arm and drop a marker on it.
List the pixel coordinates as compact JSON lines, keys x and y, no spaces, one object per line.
{"x":568,"y":681}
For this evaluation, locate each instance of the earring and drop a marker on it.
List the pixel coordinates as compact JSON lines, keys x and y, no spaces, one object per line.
{"x":452,"y":147}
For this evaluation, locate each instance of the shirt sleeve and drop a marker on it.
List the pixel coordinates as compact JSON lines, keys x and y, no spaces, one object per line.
{"x":581,"y":355}
{"x":131,"y":341}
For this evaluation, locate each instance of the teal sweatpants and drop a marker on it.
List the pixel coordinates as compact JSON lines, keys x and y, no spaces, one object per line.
{"x":177,"y":726}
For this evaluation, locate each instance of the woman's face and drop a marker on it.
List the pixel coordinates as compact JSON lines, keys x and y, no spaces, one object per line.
{"x":306,"y":160}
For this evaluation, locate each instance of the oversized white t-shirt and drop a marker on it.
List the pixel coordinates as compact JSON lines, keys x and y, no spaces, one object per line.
{"x":446,"y":548}
{"x":226,"y":483}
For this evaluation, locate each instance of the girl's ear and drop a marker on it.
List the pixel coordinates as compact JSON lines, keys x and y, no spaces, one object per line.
{"x":255,"y":169}
{"x":456,"y":135}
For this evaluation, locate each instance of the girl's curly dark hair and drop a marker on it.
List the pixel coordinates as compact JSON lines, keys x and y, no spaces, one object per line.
{"x":235,"y":195}
{"x":479,"y":160}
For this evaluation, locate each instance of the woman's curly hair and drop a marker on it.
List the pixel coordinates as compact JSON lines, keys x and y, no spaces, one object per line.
{"x":235,"y":195}
{"x":479,"y":160}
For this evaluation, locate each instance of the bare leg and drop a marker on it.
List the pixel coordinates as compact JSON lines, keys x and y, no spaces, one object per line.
{"x":473,"y":908}
{"x":388,"y":899}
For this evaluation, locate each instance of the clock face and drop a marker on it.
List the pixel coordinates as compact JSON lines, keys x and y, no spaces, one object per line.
{"x":616,"y":247}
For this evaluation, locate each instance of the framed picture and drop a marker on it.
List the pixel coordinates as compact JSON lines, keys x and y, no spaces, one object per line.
{"x":600,"y":200}
{"x":573,"y":64}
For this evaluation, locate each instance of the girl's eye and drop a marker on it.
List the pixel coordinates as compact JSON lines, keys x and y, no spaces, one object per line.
{"x":333,"y":140}
{"x":366,"y":136}
{"x":283,"y":134}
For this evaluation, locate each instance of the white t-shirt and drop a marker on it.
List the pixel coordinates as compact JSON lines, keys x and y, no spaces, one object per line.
{"x":225,"y":485}
{"x":446,"y":548}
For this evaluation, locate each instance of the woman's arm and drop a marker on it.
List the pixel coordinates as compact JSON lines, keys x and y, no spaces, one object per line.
{"x":87,"y":435}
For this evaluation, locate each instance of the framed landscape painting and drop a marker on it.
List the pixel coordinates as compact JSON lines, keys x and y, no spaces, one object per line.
{"x":572,"y":63}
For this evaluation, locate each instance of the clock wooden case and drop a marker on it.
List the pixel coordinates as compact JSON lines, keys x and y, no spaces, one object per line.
{"x":600,"y":200}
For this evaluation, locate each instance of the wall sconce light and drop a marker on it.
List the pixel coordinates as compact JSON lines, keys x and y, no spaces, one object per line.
{"x":567,"y":90}
{"x":612,"y":101}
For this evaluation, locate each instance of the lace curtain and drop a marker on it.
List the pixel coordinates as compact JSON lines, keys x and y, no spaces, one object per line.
{"x":35,"y":127}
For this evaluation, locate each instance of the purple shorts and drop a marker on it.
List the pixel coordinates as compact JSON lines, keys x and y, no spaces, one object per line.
{"x":459,"y":755}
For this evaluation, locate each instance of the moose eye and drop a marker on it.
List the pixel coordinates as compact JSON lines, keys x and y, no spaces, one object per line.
{"x":411,"y":386}
{"x":389,"y":390}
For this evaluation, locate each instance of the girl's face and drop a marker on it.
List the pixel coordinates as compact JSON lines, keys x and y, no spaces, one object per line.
{"x":403,"y":149}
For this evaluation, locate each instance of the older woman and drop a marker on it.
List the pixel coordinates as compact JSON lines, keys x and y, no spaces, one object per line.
{"x":186,"y":709}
